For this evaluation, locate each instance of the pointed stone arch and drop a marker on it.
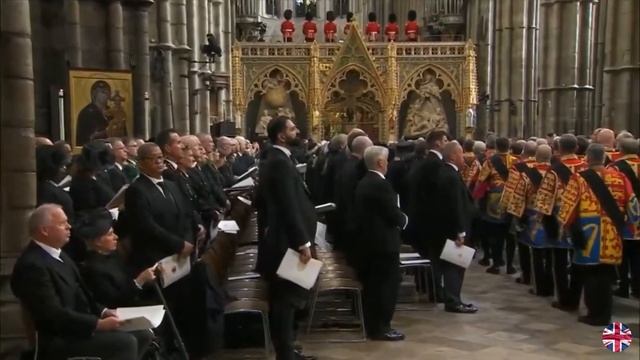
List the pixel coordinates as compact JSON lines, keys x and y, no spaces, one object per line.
{"x":297,"y":85}
{"x":449,"y":83}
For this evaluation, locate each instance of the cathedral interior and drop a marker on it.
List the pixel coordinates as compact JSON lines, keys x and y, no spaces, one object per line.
{"x":516,"y":68}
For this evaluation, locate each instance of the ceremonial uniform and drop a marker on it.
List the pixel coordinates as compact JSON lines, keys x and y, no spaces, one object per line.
{"x":598,"y":206}
{"x":411,"y":29}
{"x":372,"y":31}
{"x":330,"y":30}
{"x":532,"y":234}
{"x":629,"y":165}
{"x":287,"y":28}
{"x":548,"y":202}
{"x":309,"y":29}
{"x":515,"y":173}
{"x":391,"y":31}
{"x":471,"y":170}
{"x":612,"y":156}
{"x":489,"y":189}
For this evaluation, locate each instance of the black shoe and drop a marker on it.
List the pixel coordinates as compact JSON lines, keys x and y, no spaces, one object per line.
{"x":298,"y":355}
{"x":592,"y":321}
{"x":563,"y":307}
{"x":621,"y":292}
{"x":493,"y":270}
{"x":391,"y":335}
{"x":484,"y":262}
{"x":511,"y":270}
{"x":522,"y":281}
{"x":460,"y":309}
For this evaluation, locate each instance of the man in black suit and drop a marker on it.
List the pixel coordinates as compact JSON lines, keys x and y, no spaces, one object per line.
{"x":286,"y":219}
{"x":422,"y":188}
{"x":379,"y":221}
{"x":116,"y":174}
{"x":68,"y":321}
{"x":347,"y":180}
{"x":155,"y":214}
{"x":451,"y":222}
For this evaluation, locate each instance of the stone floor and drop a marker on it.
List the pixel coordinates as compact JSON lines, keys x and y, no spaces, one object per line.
{"x":511,"y":324}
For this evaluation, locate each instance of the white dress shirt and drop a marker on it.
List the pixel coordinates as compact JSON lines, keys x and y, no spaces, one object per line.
{"x":55,"y":253}
{"x":155,"y":182}
{"x":437,"y":153}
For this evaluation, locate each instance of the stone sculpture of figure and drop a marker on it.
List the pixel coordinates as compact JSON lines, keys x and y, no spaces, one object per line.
{"x":261,"y":128}
{"x":117,"y":117}
{"x":426,"y":112}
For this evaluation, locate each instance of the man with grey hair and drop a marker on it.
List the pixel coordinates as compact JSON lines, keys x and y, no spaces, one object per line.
{"x":531,"y":234}
{"x":346,"y":181}
{"x":629,"y":165}
{"x":594,"y":207}
{"x":68,"y":320}
{"x":607,"y":138}
{"x":378,"y":223}
{"x":452,"y":221}
{"x":549,"y":199}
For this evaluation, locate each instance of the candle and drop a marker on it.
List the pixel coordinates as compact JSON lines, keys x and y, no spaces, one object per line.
{"x":61,"y":112}
{"x":147,"y":123}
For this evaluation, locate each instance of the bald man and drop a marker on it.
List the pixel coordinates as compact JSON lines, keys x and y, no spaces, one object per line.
{"x":607,"y":138}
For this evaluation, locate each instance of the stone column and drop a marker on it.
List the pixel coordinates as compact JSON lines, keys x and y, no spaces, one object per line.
{"x":515,"y":64}
{"x":217,"y":25}
{"x":566,"y":56}
{"x":165,"y":45}
{"x":116,"y":36}
{"x":181,"y":68}
{"x":621,"y":72}
{"x":480,"y":25}
{"x":17,"y":173}
{"x":74,"y":40}
{"x":203,"y":69}
{"x":141,"y":72}
{"x":193,"y":41}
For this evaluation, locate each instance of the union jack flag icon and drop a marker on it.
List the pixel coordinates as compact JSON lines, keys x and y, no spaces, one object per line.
{"x":616,"y":337}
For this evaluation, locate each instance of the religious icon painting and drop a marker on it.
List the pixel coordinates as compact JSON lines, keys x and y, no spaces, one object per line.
{"x":101,"y":105}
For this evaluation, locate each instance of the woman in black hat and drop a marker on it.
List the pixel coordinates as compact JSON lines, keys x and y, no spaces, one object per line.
{"x":104,"y":270}
{"x":90,"y":187}
{"x":50,"y":163}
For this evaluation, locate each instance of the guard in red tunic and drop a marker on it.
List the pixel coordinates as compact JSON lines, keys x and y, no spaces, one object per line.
{"x":392,"y":29}
{"x":411,"y":28}
{"x":287,"y":28}
{"x":309,"y":28}
{"x":330,"y":28}
{"x":373,"y":28}
{"x":347,"y":26}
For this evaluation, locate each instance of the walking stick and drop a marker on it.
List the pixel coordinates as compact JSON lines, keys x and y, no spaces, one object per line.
{"x":172,"y":323}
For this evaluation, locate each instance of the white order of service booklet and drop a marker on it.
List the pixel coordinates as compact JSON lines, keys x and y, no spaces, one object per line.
{"x":292,"y":269}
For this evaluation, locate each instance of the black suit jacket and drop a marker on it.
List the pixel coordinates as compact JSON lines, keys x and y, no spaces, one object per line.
{"x":89,"y":194}
{"x":378,"y":217}
{"x":215,"y":181}
{"x":54,"y":294}
{"x":109,"y":280}
{"x":455,"y":208}
{"x":347,"y":180}
{"x":242,"y":164}
{"x":286,"y":216}
{"x":48,"y":193}
{"x":156,"y":222}
{"x":422,"y":206}
{"x":117,"y":178}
